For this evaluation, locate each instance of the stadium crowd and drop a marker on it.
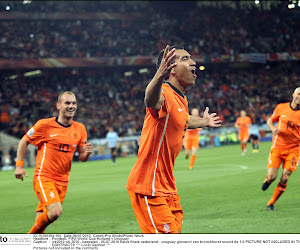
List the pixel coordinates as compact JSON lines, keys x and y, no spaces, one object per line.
{"x":110,"y":98}
{"x":106,"y":96}
{"x":196,"y":28}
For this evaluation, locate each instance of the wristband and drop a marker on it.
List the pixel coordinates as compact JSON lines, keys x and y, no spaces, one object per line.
{"x":19,"y":163}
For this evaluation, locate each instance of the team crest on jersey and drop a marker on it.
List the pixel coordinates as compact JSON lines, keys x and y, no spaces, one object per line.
{"x":75,"y":135}
{"x":30,"y":132}
{"x":166,"y":228}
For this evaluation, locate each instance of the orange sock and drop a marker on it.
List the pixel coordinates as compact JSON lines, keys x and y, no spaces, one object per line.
{"x":40,"y":224}
{"x":192,"y":161}
{"x":277,"y":193}
{"x":242,"y":147}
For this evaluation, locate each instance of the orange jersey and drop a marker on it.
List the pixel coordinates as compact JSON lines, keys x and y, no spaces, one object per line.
{"x":243,"y":123}
{"x":288,"y":121}
{"x":192,"y":133}
{"x":160,"y":144}
{"x":56,"y":146}
{"x":191,"y":138}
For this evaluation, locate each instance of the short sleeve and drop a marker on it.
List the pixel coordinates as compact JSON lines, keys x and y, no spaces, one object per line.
{"x":83,"y":138}
{"x":249,"y":121}
{"x":165,"y":106}
{"x":36,"y":134}
{"x":276,"y":114}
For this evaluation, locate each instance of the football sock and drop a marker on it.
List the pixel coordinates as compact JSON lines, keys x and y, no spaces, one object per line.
{"x":242,"y":147}
{"x":277,"y":193}
{"x":40,"y":224}
{"x":192,"y":161}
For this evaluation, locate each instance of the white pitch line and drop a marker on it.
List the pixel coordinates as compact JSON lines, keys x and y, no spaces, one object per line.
{"x":235,"y":165}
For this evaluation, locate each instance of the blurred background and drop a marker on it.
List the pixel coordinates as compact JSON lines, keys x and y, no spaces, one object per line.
{"x":247,"y":55}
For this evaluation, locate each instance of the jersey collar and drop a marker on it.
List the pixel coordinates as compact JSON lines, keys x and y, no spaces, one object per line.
{"x":65,"y":126}
{"x":176,"y":90}
{"x":293,"y":108}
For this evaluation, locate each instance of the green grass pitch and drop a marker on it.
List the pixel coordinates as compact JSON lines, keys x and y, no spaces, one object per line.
{"x":221,"y":195}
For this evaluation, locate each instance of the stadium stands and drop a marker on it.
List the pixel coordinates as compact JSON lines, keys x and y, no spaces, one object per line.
{"x":100,"y":29}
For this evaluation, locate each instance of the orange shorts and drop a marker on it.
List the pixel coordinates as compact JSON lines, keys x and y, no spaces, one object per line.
{"x":48,"y":192}
{"x":161,"y":214}
{"x":289,"y":158}
{"x":192,"y":142}
{"x":243,"y":136}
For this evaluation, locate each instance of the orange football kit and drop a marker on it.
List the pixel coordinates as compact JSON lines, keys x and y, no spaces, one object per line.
{"x":192,"y":138}
{"x":285,"y":146}
{"x":151,"y":183}
{"x":56,"y":146}
{"x":244,"y":131}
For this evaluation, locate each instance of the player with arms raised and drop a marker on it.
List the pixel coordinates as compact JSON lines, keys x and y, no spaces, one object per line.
{"x":151,"y":184}
{"x":57,"y":139}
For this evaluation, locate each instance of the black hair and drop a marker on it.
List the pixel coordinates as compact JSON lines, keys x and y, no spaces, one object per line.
{"x":160,"y":55}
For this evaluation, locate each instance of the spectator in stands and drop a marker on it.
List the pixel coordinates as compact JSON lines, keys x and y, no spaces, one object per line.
{"x":128,"y":33}
{"x":4,"y":117}
{"x":122,"y":97}
{"x":70,"y":35}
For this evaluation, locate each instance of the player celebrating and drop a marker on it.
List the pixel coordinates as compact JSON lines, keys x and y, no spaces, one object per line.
{"x":192,"y":141}
{"x":243,"y":123}
{"x":151,"y":184}
{"x":285,"y":146}
{"x":57,"y":139}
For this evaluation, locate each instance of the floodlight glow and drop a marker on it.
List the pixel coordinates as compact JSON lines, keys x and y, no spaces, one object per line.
{"x":128,"y":73}
{"x":12,"y":77}
{"x":291,"y":6}
{"x":202,"y":67}
{"x":7,"y":8}
{"x":33,"y":73}
{"x":256,"y":1}
{"x":143,"y":71}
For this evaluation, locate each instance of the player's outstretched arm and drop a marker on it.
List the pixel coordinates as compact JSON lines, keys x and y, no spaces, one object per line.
{"x":208,"y":120}
{"x":153,"y":98}
{"x":22,"y":148}
{"x":85,"y":152}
